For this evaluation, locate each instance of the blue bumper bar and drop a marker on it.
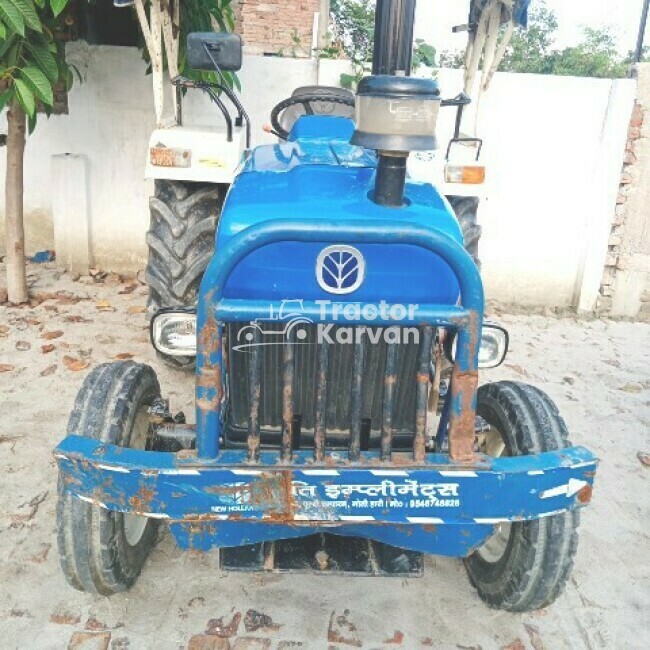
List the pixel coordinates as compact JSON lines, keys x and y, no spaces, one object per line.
{"x":302,"y":496}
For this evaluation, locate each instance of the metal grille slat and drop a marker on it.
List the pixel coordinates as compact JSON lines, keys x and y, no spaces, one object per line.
{"x":288,"y":371}
{"x":390,"y":389}
{"x":419,"y":440}
{"x":356,"y":401}
{"x":320,"y":400}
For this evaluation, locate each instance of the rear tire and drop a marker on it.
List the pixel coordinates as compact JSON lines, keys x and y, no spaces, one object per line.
{"x":537,"y":559}
{"x":466,"y":211}
{"x":103,"y":551}
{"x":184,"y":218}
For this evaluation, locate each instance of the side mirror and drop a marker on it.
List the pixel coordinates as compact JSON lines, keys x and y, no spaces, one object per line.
{"x":224,"y":48}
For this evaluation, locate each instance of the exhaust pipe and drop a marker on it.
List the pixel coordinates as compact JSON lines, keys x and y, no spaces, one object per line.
{"x":393,"y":48}
{"x":396,"y":114}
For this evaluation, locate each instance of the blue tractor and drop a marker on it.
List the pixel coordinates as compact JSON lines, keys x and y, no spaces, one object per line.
{"x":324,"y":439}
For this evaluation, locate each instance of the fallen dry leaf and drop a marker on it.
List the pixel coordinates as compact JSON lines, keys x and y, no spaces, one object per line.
{"x":75,"y":364}
{"x":23,"y":346}
{"x":48,"y":336}
{"x":48,"y":371}
{"x":76,"y":319}
{"x":517,"y":369}
{"x":64,"y":619}
{"x":47,"y":348}
{"x":135,"y":309}
{"x":32,"y":321}
{"x":95,"y":640}
{"x":104,"y":305}
{"x":6,"y":367}
{"x":129,"y":288}
{"x":517,"y":644}
{"x":123,"y":356}
{"x":93,"y":624}
{"x":4,"y":330}
{"x":644,"y":458}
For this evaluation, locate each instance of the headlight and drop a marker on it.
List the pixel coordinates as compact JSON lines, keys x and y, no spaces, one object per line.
{"x":174,"y":333}
{"x":493,"y":350}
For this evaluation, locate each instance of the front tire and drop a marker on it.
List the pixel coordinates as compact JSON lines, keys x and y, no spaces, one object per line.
{"x":103,"y":551}
{"x":525,"y":565}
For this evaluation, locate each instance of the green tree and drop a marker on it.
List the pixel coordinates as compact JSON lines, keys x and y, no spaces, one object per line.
{"x":353,"y":24}
{"x":532,"y":50}
{"x":353,"y":31}
{"x":596,"y":56}
{"x":32,"y":62}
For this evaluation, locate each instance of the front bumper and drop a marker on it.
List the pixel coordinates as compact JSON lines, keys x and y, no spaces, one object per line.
{"x":270,"y":500}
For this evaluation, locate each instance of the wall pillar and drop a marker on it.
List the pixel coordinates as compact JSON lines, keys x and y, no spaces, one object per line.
{"x":71,"y":212}
{"x":625,"y":289}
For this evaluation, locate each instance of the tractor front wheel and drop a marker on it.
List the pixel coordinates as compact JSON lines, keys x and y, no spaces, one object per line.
{"x":103,"y":551}
{"x":524,"y":565}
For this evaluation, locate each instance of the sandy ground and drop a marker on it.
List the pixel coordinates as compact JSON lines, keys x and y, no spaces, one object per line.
{"x":598,"y":372}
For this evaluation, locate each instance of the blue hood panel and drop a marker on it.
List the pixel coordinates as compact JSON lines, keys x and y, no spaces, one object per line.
{"x":310,"y":179}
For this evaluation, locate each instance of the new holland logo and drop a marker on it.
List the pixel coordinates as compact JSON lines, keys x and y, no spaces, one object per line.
{"x":340,"y":269}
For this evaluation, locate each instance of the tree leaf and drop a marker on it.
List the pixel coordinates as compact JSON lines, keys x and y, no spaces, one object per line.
{"x":43,"y":58}
{"x":58,"y":6}
{"x":12,"y":17}
{"x":31,"y":122}
{"x":25,"y":96}
{"x":5,"y":97}
{"x":3,"y":31}
{"x":39,"y":83}
{"x":5,"y":46}
{"x":26,"y":8}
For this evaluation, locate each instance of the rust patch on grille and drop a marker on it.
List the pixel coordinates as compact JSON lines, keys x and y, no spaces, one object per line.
{"x":462,"y":424}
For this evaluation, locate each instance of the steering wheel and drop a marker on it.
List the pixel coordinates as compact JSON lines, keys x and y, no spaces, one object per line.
{"x":304,"y":101}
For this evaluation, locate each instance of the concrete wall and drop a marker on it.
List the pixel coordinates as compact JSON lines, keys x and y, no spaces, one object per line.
{"x":554,"y":148}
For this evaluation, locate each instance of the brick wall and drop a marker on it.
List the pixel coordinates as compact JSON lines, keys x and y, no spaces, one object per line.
{"x":625,"y":288}
{"x":269,"y":26}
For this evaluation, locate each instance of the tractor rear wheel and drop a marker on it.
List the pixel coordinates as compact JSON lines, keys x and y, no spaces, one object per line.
{"x":466,"y":210}
{"x":103,"y":551}
{"x":181,"y":235}
{"x":524,"y":565}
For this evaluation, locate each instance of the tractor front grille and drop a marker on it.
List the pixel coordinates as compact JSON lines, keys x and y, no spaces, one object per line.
{"x":289,"y":390}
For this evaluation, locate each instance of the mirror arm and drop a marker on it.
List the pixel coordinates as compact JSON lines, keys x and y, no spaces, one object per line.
{"x":215,"y":98}
{"x":243,"y":115}
{"x":230,"y":94}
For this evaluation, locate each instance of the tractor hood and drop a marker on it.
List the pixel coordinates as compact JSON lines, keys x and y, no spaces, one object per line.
{"x":317,"y":177}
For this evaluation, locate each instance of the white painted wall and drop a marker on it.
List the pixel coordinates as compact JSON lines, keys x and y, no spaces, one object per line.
{"x":551,"y":147}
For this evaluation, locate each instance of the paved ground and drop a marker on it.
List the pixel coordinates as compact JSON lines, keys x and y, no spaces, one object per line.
{"x":598,"y":372}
